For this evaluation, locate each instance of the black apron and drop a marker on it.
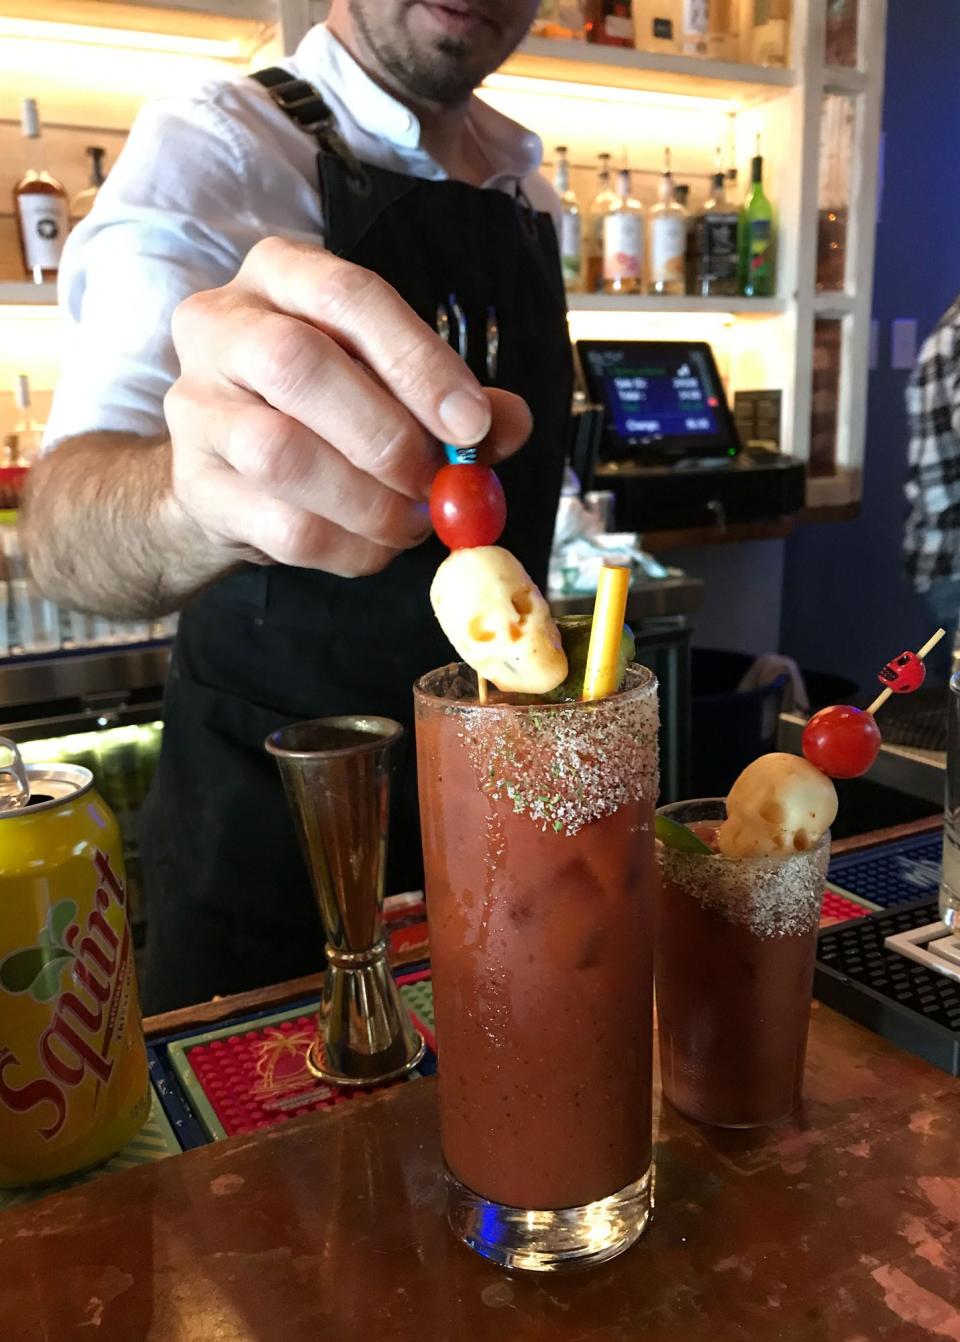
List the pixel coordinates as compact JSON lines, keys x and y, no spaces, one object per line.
{"x":229,"y":905}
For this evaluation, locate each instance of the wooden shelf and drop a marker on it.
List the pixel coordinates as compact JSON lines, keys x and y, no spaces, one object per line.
{"x":834,"y":304}
{"x":22,"y":292}
{"x":738,"y":307}
{"x":645,"y":71}
{"x":837,"y":79}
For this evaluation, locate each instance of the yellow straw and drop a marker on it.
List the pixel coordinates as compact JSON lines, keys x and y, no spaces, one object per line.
{"x":603,"y":655}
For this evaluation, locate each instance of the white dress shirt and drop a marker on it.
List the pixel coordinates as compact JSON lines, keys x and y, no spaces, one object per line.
{"x":203,"y":177}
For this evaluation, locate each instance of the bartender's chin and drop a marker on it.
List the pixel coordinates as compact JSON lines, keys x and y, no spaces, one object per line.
{"x":432,"y":52}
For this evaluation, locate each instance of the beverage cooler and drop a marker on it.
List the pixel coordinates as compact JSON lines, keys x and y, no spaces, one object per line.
{"x":84,"y":690}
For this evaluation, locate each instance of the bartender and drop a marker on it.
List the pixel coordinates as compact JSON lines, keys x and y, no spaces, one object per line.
{"x":267,"y":306}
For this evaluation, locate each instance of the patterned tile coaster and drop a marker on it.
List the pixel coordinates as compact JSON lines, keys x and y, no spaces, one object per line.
{"x":155,"y":1141}
{"x":250,"y":1076}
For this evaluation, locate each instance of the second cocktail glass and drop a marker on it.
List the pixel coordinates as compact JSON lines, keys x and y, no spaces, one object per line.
{"x":736,"y":945}
{"x":537,"y":827}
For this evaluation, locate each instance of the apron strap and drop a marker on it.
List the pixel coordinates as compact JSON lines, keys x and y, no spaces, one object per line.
{"x":306,"y":107}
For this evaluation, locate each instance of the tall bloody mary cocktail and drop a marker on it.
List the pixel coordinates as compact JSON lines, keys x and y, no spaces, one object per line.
{"x":538,"y":850}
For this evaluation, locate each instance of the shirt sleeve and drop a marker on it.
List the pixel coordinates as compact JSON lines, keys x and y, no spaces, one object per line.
{"x":172,"y":219}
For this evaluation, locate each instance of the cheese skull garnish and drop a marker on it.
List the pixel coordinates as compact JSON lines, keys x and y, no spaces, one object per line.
{"x":498,"y":621}
{"x":780,"y":804}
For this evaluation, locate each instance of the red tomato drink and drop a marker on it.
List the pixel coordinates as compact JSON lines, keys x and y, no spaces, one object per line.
{"x":736,"y":944}
{"x":538,"y":851}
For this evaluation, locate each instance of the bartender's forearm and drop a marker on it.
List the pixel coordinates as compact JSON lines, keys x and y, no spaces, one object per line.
{"x":103,"y":531}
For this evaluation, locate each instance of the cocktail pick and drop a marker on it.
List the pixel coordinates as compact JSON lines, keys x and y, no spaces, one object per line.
{"x":900,"y":676}
{"x":602,"y":674}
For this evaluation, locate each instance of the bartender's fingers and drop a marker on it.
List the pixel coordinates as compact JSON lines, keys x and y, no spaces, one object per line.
{"x":235,"y":509}
{"x":368,"y":318}
{"x":511,"y":426}
{"x":307,"y":376}
{"x":293,"y":465}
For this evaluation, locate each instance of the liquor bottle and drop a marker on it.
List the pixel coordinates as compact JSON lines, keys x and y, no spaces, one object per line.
{"x":657,"y":24}
{"x":571,"y":224}
{"x":841,"y":38}
{"x":723,"y":30}
{"x":755,"y":237}
{"x":40,"y":206}
{"x":603,"y":202}
{"x":28,"y":431}
{"x":714,"y":243}
{"x":668,"y":238}
{"x":695,"y":17}
{"x":559,"y":19}
{"x":82,"y":203}
{"x":771,"y":31}
{"x":623,"y":241}
{"x":609,"y":22}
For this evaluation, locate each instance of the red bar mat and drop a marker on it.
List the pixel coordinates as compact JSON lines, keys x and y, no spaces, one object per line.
{"x":837,"y":909}
{"x":256,"y":1075}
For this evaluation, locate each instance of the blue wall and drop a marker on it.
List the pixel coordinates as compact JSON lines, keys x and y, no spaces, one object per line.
{"x":846,"y":605}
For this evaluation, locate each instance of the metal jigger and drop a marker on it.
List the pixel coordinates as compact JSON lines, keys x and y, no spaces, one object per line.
{"x":336,"y":773}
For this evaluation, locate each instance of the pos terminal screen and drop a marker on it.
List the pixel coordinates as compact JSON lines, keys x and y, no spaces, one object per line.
{"x":662,"y":399}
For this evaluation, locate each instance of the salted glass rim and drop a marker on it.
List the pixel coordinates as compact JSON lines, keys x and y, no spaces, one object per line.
{"x":645,"y":684}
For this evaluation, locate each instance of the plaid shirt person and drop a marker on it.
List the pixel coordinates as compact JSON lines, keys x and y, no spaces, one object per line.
{"x":932,"y":534}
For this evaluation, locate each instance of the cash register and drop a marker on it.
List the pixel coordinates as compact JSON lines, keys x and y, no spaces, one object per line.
{"x":663,"y":441}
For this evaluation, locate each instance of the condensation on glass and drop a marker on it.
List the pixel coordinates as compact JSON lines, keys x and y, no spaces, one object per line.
{"x":824,"y":409}
{"x":840,"y":47}
{"x":833,"y":192}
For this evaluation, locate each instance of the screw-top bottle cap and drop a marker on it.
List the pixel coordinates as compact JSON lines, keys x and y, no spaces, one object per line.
{"x":560,"y":149}
{"x":719,"y":181}
{"x":757,"y":168}
{"x":623,"y":182}
{"x":23,"y":391}
{"x":30,"y":119}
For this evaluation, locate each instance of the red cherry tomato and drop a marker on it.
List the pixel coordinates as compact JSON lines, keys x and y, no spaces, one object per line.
{"x":467,"y":506}
{"x":841,"y":741}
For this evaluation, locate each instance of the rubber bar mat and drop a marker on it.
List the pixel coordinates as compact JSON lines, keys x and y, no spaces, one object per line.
{"x":905,"y":1002}
{"x":893,"y":873}
{"x":252,"y":1073}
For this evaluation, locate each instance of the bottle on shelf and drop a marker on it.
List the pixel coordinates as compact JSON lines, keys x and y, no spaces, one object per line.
{"x":723,"y":30}
{"x":559,"y":19}
{"x":770,"y":32}
{"x":28,"y":431}
{"x":714,"y":252}
{"x":623,"y":241}
{"x":668,"y":238}
{"x":39,"y":206}
{"x":755,"y":237}
{"x":603,"y":202}
{"x":571,"y":224}
{"x":82,"y":203}
{"x":841,"y":36}
{"x":609,"y":22}
{"x":694,"y":23}
{"x":657,"y":24}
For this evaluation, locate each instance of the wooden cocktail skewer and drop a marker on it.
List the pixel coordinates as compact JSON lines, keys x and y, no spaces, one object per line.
{"x":483,"y":689}
{"x":930,"y":644}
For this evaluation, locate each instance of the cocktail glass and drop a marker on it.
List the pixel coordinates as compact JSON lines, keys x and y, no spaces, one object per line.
{"x":736,"y":946}
{"x":538,"y":852}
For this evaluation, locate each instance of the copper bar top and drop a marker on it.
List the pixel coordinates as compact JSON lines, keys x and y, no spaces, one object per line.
{"x":840,"y":1225}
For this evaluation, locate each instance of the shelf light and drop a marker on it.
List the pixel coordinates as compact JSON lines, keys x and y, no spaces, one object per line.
{"x":172,"y":44}
{"x":561,"y":88}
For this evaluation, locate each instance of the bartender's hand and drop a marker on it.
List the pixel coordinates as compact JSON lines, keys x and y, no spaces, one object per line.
{"x":305,"y":420}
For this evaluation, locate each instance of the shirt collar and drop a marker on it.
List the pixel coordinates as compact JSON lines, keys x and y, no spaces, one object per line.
{"x":512,"y":150}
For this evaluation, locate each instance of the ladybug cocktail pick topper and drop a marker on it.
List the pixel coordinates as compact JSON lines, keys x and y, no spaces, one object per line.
{"x":905,"y":673}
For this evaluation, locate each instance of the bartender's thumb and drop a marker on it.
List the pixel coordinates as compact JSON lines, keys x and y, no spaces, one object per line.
{"x":511,"y":424}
